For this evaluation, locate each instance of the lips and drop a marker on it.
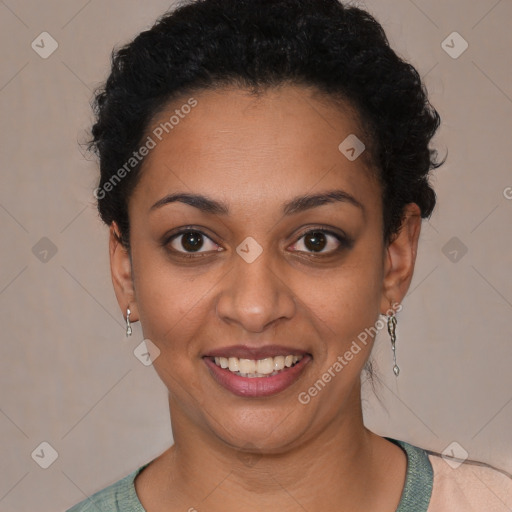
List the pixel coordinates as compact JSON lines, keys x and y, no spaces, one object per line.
{"x":256,"y":384}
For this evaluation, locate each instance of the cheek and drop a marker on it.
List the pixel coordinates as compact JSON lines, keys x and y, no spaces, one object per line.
{"x":170,"y":300}
{"x":344,"y":312}
{"x":348,"y":299}
{"x":172,"y":309}
{"x":170,"y":317}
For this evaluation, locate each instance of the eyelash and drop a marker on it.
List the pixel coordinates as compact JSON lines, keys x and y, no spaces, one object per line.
{"x":344,"y":242}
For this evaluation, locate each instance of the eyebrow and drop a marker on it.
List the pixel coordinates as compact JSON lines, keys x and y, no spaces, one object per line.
{"x":295,"y":205}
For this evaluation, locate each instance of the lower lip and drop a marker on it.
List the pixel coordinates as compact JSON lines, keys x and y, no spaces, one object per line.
{"x":257,"y":386}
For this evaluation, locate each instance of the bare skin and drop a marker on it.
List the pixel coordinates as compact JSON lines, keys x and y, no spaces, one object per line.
{"x":267,"y":453}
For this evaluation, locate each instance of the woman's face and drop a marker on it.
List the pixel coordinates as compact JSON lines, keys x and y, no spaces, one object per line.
{"x":260,"y":270}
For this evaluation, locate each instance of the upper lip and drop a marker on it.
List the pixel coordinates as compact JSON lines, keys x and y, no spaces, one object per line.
{"x":247,"y":352}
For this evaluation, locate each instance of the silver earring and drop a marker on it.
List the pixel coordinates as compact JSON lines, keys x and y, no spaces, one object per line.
{"x":391,"y":331}
{"x":128,"y":325}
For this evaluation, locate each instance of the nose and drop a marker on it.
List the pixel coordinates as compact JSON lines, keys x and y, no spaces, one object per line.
{"x":255,"y":295}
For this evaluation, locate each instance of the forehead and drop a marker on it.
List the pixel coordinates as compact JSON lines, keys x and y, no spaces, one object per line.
{"x":240,"y":147}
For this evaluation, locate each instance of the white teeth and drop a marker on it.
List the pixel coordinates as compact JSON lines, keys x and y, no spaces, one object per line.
{"x":246,"y":366}
{"x":252,"y":368}
{"x":278,"y":362}
{"x":265,"y":366}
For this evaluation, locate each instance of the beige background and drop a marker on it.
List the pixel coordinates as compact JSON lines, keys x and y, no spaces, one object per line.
{"x":68,"y":374}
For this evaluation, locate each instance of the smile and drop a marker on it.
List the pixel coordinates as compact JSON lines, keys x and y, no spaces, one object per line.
{"x":253,"y":368}
{"x":256,"y":378}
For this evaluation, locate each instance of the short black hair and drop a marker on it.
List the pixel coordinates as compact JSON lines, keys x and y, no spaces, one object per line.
{"x":339,"y":50}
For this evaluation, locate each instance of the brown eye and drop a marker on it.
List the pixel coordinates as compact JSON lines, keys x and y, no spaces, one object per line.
{"x":317,"y":240}
{"x":191,"y":241}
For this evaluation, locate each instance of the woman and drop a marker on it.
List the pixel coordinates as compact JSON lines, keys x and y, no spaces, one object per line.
{"x":264,"y":173}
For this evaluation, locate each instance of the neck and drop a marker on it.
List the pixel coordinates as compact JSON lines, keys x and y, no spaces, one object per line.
{"x":341,"y":460}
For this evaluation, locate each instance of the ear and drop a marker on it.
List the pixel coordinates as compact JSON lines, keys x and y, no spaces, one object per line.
{"x":121,"y":272}
{"x":400,"y":257}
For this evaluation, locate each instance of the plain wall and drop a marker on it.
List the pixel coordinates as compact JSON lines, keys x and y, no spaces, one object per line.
{"x":68,"y":374}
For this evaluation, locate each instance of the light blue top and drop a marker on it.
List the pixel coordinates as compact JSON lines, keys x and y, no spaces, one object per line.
{"x":121,"y":495}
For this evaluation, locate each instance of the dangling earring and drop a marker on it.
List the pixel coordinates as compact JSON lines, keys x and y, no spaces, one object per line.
{"x":128,"y":325}
{"x":391,"y":331}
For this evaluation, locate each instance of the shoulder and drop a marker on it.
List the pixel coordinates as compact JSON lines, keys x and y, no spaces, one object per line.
{"x":117,"y":497}
{"x":468,"y":486}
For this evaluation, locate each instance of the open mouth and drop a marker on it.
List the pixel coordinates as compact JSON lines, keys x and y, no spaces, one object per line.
{"x":256,"y":368}
{"x":257,"y":377}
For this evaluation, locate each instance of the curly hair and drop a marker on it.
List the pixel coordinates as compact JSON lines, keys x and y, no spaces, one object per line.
{"x":339,"y":50}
